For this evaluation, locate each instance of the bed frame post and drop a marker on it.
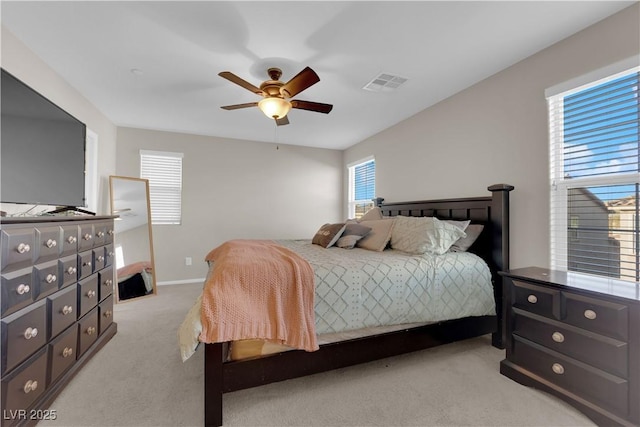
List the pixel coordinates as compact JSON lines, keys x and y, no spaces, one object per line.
{"x":213,"y":369}
{"x":500,"y":255}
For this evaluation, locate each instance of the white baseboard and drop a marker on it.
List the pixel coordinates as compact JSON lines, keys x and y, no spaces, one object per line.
{"x":180,"y":282}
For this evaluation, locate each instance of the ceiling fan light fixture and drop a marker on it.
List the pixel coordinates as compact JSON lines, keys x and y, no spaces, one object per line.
{"x":274,"y":107}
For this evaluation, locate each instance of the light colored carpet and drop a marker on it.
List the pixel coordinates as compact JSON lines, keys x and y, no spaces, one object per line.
{"x":138,"y":379}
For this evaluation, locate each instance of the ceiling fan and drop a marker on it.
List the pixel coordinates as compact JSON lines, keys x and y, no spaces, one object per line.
{"x":276,"y":102}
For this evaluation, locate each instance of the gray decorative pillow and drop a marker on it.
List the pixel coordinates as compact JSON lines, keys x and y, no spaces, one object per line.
{"x":352,"y":233}
{"x":464,"y":243}
{"x":378,"y":237}
{"x":372,"y":215}
{"x":328,"y":235}
{"x":417,"y":235}
{"x":348,"y":242}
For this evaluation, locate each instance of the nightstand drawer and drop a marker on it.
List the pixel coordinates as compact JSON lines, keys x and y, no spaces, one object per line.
{"x":68,"y":270}
{"x":600,"y":316}
{"x":17,"y":290}
{"x":597,"y":350}
{"x":536,"y":299}
{"x":592,"y":384}
{"x":87,"y":294}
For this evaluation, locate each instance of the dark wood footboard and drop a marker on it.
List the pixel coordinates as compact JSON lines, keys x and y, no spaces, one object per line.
{"x":492,"y":246}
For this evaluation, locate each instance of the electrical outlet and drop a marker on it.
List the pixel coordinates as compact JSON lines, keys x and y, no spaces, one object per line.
{"x":187,"y":261}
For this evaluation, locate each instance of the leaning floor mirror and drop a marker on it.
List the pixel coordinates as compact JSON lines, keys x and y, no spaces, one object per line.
{"x":135,"y":268}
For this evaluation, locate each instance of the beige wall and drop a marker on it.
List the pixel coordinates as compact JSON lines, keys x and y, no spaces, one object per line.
{"x":18,"y":60}
{"x":496,"y":132}
{"x":236,"y":189}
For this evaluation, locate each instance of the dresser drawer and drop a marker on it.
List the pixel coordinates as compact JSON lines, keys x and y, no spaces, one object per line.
{"x":47,"y":244}
{"x":85,"y":237}
{"x":600,"y":316}
{"x":106,"y":283}
{"x":68,"y":270}
{"x":23,"y":333}
{"x":105,"y":310}
{"x":16,"y":245}
{"x":45,"y":278}
{"x":62,"y":353}
{"x":69,"y":240}
{"x":17,"y":290}
{"x":592,"y":384}
{"x":85,"y":264}
{"x":108,"y":255}
{"x":63,"y":309}
{"x":87,"y":294}
{"x":88,"y":331}
{"x":602,"y":352}
{"x":21,"y":389}
{"x":98,"y":258}
{"x":536,"y":299}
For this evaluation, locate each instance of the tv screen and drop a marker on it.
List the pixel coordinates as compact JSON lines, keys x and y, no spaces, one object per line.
{"x":42,"y":149}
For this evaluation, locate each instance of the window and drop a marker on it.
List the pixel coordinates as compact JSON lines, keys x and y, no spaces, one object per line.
{"x":164,"y":172}
{"x":595,"y":179}
{"x":362,"y":187}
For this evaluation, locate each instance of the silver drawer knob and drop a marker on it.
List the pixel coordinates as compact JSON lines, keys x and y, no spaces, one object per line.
{"x":100,"y":258}
{"x":51,"y":243}
{"x":23,"y":289}
{"x":111,"y":254}
{"x":87,"y":236}
{"x":72,"y":239}
{"x":557,"y":368}
{"x":532,"y":299}
{"x":110,"y":232}
{"x":100,"y":234}
{"x":51,"y":278}
{"x":67,"y":309}
{"x":557,"y":337}
{"x":87,"y":264}
{"x":30,"y":386}
{"x":30,"y":333}
{"x":91,"y":330}
{"x":72,"y":270}
{"x":91,"y":293}
{"x":107,"y":313}
{"x":68,"y":351}
{"x":590,"y":314}
{"x":23,"y":248}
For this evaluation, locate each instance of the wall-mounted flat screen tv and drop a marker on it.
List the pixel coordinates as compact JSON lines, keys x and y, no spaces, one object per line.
{"x":42,"y":149}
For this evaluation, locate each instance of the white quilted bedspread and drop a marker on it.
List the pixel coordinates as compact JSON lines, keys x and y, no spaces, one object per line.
{"x":358,"y":288}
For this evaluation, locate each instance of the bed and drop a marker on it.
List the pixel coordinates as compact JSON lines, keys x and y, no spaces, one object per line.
{"x":223,"y":374}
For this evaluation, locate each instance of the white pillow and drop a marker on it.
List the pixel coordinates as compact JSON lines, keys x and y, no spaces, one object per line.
{"x":418,"y":235}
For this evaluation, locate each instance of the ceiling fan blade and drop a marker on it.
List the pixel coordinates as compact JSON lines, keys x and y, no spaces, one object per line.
{"x":299,"y":82}
{"x":240,"y":82}
{"x":282,"y":121}
{"x":312,"y":106}
{"x":238,"y":106}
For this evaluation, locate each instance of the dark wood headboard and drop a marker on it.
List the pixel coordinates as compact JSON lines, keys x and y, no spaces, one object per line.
{"x":492,"y":245}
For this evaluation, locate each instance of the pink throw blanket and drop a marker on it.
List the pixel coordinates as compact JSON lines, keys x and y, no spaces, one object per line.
{"x":259,"y":289}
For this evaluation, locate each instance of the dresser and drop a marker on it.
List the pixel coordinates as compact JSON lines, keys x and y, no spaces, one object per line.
{"x":57,"y":307}
{"x":576,"y":338}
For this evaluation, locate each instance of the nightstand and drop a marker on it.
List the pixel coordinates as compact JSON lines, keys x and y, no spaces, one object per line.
{"x":575,"y":337}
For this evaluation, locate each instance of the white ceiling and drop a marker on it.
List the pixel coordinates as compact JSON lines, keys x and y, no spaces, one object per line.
{"x":180,"y":47}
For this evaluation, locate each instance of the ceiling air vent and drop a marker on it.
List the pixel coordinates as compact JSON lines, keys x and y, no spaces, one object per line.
{"x":384,"y":82}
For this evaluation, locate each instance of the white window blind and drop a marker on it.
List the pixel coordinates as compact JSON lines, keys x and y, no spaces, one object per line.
{"x":362,"y":187}
{"x":164,"y":172}
{"x":595,"y":180}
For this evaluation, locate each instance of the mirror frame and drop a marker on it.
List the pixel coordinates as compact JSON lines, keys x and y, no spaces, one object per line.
{"x":149,"y":226}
